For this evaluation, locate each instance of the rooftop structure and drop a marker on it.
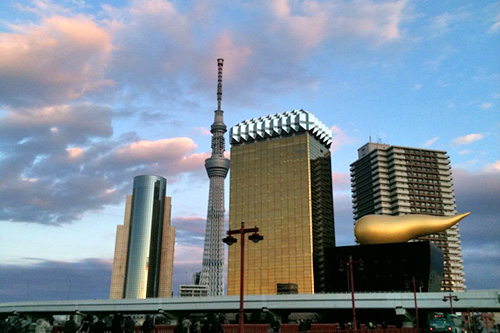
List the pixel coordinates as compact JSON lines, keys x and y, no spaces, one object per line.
{"x":192,"y":290}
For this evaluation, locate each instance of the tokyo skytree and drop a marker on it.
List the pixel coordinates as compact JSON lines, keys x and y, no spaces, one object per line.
{"x":217,"y":167}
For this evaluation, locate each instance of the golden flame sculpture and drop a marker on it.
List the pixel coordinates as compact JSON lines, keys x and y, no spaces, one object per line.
{"x":381,"y":229}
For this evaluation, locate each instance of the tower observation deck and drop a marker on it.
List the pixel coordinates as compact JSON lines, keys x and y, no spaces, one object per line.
{"x":217,"y":167}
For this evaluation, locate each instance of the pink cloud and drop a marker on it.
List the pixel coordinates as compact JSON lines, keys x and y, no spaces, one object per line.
{"x":314,"y":17}
{"x":62,"y":58}
{"x":493,"y":167}
{"x":70,"y":122}
{"x":340,"y":138}
{"x":193,"y":224}
{"x":203,"y":130}
{"x":170,"y":156}
{"x":156,"y":150}
{"x":467,"y":139}
{"x":341,"y":181}
{"x":431,"y":141}
{"x":236,"y":54}
{"x":75,"y":152}
{"x":188,"y":254}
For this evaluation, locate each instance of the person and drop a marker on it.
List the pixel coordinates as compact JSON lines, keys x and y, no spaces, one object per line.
{"x":70,"y":325}
{"x":205,"y":327}
{"x":129,"y":325}
{"x":116,"y":323}
{"x":99,"y":326}
{"x":15,"y":326}
{"x":4,"y":325}
{"x":85,"y":327}
{"x":148,"y":326}
{"x":275,"y":325}
{"x":25,"y":323}
{"x":197,"y":327}
{"x":302,"y":325}
{"x":216,"y":327}
{"x":42,"y":326}
{"x":186,"y":325}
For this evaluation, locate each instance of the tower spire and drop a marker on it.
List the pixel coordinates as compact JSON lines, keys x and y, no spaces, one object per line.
{"x":220,"y":63}
{"x":217,"y":167}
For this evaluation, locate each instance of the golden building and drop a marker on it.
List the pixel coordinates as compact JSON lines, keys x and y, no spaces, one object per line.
{"x":144,"y":250}
{"x":281,"y":182}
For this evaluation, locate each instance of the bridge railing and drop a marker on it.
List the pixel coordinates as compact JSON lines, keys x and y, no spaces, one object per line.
{"x":285,"y":328}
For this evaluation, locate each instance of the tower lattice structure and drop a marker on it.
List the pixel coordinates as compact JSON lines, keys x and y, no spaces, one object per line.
{"x":217,"y":167}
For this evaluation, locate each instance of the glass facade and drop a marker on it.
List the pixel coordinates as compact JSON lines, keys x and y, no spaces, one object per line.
{"x":145,"y":238}
{"x":283,"y":185}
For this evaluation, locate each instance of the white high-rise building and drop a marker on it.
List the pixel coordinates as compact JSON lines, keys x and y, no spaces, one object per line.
{"x":395,"y":180}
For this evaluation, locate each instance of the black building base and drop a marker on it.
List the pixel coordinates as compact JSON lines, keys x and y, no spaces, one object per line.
{"x":385,"y":267}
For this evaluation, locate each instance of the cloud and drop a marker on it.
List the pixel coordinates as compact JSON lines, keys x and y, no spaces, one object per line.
{"x":493,"y":167}
{"x":467,"y":139}
{"x":418,"y":86}
{"x":430,"y":142}
{"x":154,"y":150}
{"x":495,"y":27}
{"x":63,"y":124}
{"x":190,"y":234}
{"x":340,"y":138}
{"x":482,"y":264}
{"x":54,"y":155}
{"x":486,"y":105}
{"x":194,"y":225}
{"x":479,"y":193}
{"x":55,"y":280}
{"x":376,"y":22}
{"x":341,"y":181}
{"x":61,"y":59}
{"x":47,"y":280}
{"x":344,"y":227}
{"x":203,"y":131}
{"x":154,"y":30}
{"x":443,"y":23}
{"x":86,"y":56}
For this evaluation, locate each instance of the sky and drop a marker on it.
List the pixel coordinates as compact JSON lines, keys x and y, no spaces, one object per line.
{"x":93,"y":93}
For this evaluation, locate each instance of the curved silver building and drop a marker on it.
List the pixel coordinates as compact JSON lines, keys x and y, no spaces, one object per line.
{"x":217,"y":167}
{"x":144,"y":249}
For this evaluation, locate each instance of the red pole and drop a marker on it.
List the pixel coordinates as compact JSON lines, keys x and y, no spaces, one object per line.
{"x":354,"y":324}
{"x":242,"y":277}
{"x":415,"y":297}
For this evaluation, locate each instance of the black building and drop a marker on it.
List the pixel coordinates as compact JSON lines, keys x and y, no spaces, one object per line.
{"x":385,"y":267}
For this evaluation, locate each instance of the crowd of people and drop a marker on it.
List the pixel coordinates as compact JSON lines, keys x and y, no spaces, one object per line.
{"x":23,"y":324}
{"x":117,"y":323}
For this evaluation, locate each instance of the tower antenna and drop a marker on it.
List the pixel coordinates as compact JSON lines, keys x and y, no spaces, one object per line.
{"x":220,"y":63}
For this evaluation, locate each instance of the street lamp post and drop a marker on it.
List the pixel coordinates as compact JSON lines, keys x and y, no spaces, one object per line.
{"x":451,"y":298}
{"x":230,"y":240}
{"x":414,"y":283}
{"x":350,"y":263}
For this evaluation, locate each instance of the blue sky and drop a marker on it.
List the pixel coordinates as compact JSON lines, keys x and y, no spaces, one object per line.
{"x":93,"y":93}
